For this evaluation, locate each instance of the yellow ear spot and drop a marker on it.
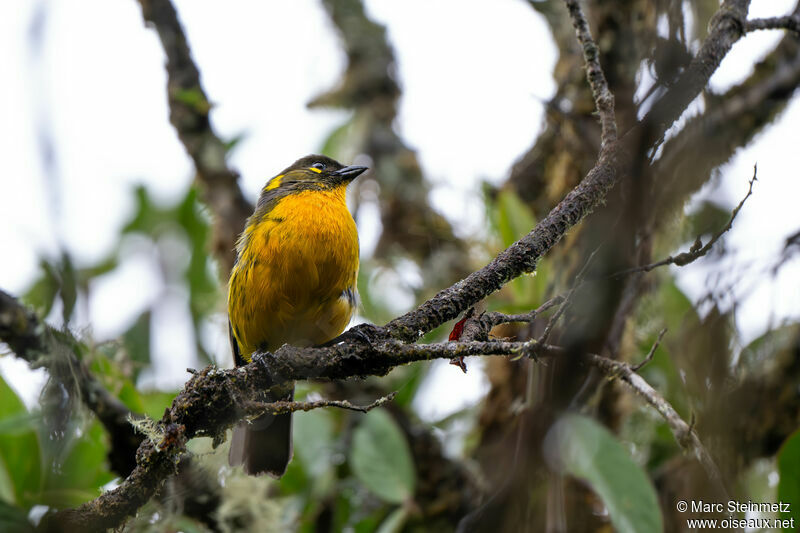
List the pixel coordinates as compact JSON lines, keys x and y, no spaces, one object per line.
{"x":318,"y":171}
{"x":274,"y":183}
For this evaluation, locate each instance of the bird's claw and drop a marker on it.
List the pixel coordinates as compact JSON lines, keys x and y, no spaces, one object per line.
{"x":367,"y":334}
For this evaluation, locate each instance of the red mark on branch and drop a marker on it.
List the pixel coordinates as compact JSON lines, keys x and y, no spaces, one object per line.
{"x":458,"y":330}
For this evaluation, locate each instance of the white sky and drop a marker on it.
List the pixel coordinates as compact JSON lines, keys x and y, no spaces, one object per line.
{"x":474,"y":74}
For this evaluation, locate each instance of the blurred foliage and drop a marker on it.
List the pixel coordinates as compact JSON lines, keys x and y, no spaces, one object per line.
{"x":40,"y":467}
{"x":789,"y":471}
{"x":381,"y":460}
{"x":591,"y":453}
{"x":358,"y":472}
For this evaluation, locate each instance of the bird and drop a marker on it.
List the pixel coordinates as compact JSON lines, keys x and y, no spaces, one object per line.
{"x":293,"y":282}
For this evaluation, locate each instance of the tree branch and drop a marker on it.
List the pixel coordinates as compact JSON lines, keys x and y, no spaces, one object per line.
{"x":698,"y":249}
{"x":40,"y":345}
{"x":726,"y":27}
{"x":255,"y":409}
{"x":495,"y":318}
{"x":730,"y":120}
{"x":651,"y":353}
{"x":519,"y":258}
{"x":604,"y":100}
{"x":208,"y":405}
{"x":522,"y":256}
{"x":788,"y":22}
{"x":189,"y":110}
{"x":684,"y":434}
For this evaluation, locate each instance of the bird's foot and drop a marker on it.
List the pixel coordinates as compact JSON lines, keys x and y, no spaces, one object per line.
{"x":368,"y":334}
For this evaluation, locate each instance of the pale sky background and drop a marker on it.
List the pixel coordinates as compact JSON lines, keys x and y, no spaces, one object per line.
{"x":474,"y":75}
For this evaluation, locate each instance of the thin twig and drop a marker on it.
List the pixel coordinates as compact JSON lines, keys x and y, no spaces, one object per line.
{"x":698,"y":249}
{"x":495,"y":318}
{"x":651,"y":353}
{"x":282,"y":407}
{"x":576,"y":283}
{"x":555,"y":318}
{"x":788,"y":22}
{"x":684,"y":433}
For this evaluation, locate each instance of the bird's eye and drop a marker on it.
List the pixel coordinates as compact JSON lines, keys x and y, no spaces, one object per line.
{"x":318,"y":166}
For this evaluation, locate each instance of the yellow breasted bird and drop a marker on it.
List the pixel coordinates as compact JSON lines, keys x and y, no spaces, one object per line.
{"x":294,"y":282}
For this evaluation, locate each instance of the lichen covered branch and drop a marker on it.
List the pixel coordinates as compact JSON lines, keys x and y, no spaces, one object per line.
{"x":32,"y":340}
{"x":787,"y":22}
{"x":604,"y":100}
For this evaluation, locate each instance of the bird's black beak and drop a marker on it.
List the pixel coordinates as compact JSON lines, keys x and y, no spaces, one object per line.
{"x":348,"y":174}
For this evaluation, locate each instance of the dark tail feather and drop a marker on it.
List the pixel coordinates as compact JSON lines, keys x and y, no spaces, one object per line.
{"x":263,"y":446}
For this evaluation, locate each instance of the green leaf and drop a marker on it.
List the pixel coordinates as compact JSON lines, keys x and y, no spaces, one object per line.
{"x":137,"y":342}
{"x":394,"y":522}
{"x":13,"y":519}
{"x":98,"y":269}
{"x":707,"y":218}
{"x":193,"y":98}
{"x":669,"y":308}
{"x":590,"y":452}
{"x":314,"y":441}
{"x":789,"y":471}
{"x":381,"y":459}
{"x":407,"y":380}
{"x":68,"y":285}
{"x":20,"y":453}
{"x":336,"y":142}
{"x":155,"y":402}
{"x":773,"y":347}
{"x":6,"y":483}
{"x":203,"y":284}
{"x":231,"y":144}
{"x":57,"y":279}
{"x":676,"y":308}
{"x":144,"y":217}
{"x":511,"y":219}
{"x":78,"y":473}
{"x":115,"y":380}
{"x":43,"y":292}
{"x":20,"y":424}
{"x":66,"y":497}
{"x":367,"y":524}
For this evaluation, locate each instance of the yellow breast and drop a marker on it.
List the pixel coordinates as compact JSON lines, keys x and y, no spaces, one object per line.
{"x":295,"y":278}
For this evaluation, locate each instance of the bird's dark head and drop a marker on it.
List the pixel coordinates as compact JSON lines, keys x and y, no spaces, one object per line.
{"x":314,"y":171}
